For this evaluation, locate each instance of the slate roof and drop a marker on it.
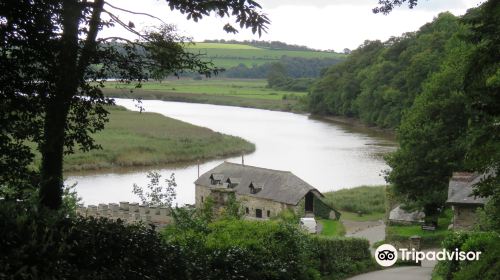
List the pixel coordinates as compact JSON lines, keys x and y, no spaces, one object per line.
{"x":398,"y":214}
{"x":280,"y":186}
{"x":460,"y":189}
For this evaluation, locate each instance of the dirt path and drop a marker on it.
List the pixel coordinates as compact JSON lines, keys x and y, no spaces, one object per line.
{"x":372,"y":230}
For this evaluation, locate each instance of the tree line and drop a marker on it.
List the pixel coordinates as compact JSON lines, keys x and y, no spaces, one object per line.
{"x":273,"y":45}
{"x":439,"y":89}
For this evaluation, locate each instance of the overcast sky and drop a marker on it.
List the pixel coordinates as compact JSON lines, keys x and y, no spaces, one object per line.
{"x":319,"y":24}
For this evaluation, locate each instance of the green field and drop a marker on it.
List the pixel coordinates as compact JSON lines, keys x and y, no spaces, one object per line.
{"x":231,"y":55}
{"x":232,"y":92}
{"x":127,"y":141}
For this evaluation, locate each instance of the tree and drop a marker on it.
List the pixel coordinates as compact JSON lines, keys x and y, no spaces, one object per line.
{"x":53,"y":66}
{"x":157,"y":195}
{"x":277,"y":75}
{"x":482,"y":88}
{"x":480,"y":84}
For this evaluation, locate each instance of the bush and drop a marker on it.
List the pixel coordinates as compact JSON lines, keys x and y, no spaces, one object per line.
{"x":237,"y":249}
{"x":340,"y":257}
{"x":36,"y":244}
{"x":488,"y":265}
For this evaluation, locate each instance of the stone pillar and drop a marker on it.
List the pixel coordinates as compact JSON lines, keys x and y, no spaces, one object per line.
{"x":92,"y":211}
{"x":81,"y":210}
{"x":102,"y":210}
{"x":133,"y":207}
{"x":415,"y":242}
{"x":124,"y":205}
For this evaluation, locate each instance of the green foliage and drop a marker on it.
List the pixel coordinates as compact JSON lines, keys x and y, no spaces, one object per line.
{"x":157,"y":195}
{"x":364,"y":199}
{"x":340,"y":257}
{"x":231,"y":249}
{"x":486,"y":267}
{"x":432,"y":132}
{"x":43,"y":244}
{"x":378,"y":81}
{"x":482,"y":93}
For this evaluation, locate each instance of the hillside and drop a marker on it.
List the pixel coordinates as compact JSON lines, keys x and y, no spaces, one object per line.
{"x":380,"y":80}
{"x":232,"y":55}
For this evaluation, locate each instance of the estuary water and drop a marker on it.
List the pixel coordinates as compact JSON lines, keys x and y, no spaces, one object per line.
{"x":328,"y":155}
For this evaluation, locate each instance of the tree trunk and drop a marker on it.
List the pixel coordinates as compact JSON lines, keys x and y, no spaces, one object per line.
{"x":57,"y":108}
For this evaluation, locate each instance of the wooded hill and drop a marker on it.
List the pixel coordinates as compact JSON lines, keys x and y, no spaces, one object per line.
{"x":379,"y":80}
{"x":254,"y":61}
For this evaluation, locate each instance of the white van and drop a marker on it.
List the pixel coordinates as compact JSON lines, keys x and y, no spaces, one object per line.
{"x":309,"y":224}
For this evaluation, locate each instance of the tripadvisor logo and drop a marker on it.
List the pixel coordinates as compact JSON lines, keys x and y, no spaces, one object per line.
{"x":387,"y":255}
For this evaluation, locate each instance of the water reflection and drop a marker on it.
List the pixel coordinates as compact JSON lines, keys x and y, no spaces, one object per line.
{"x":329,"y":155}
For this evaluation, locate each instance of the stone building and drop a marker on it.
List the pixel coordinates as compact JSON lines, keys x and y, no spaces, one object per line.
{"x":462,"y":201}
{"x":263,"y":193}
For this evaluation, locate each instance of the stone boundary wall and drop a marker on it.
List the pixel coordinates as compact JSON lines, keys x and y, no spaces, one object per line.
{"x":128,"y":212}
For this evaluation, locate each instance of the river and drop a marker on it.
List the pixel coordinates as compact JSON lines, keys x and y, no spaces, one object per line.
{"x":326,"y":154}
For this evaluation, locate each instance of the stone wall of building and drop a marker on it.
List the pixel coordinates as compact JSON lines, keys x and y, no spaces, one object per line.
{"x":250,"y":204}
{"x":201,"y":194}
{"x":464,"y":217}
{"x":268,"y":208}
{"x":128,"y":212}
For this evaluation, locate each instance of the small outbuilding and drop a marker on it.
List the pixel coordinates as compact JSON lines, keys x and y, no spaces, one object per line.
{"x":462,"y":200}
{"x":400,"y":216}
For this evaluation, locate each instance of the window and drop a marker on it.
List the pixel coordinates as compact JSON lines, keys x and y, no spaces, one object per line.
{"x":258,"y":213}
{"x":268,"y":213}
{"x":202,"y":199}
{"x":246,"y":210}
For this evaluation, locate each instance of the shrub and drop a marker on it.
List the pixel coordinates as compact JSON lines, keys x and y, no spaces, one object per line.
{"x":488,"y":265}
{"x":237,"y":249}
{"x":36,"y":244}
{"x":337,"y":258}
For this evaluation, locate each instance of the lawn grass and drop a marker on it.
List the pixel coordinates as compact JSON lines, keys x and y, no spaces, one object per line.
{"x":144,"y":139}
{"x":364,"y":199}
{"x":331,"y":228}
{"x":232,"y":92}
{"x":375,"y":216}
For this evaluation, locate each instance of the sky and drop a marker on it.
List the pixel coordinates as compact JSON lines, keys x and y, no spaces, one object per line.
{"x":319,"y":24}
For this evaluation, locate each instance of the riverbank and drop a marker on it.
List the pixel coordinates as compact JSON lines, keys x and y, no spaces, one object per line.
{"x":133,"y":139}
{"x":248,"y":93}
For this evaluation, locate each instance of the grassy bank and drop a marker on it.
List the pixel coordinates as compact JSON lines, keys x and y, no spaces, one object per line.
{"x":231,"y":92}
{"x":367,"y":200}
{"x":134,"y":139}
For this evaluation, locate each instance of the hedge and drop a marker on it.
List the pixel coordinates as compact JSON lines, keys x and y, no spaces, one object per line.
{"x":488,"y":265}
{"x":337,"y":258}
{"x":41,"y":246}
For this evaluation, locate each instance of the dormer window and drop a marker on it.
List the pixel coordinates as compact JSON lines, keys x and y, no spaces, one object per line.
{"x":216,"y":178}
{"x":232,"y":182}
{"x":255,"y":188}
